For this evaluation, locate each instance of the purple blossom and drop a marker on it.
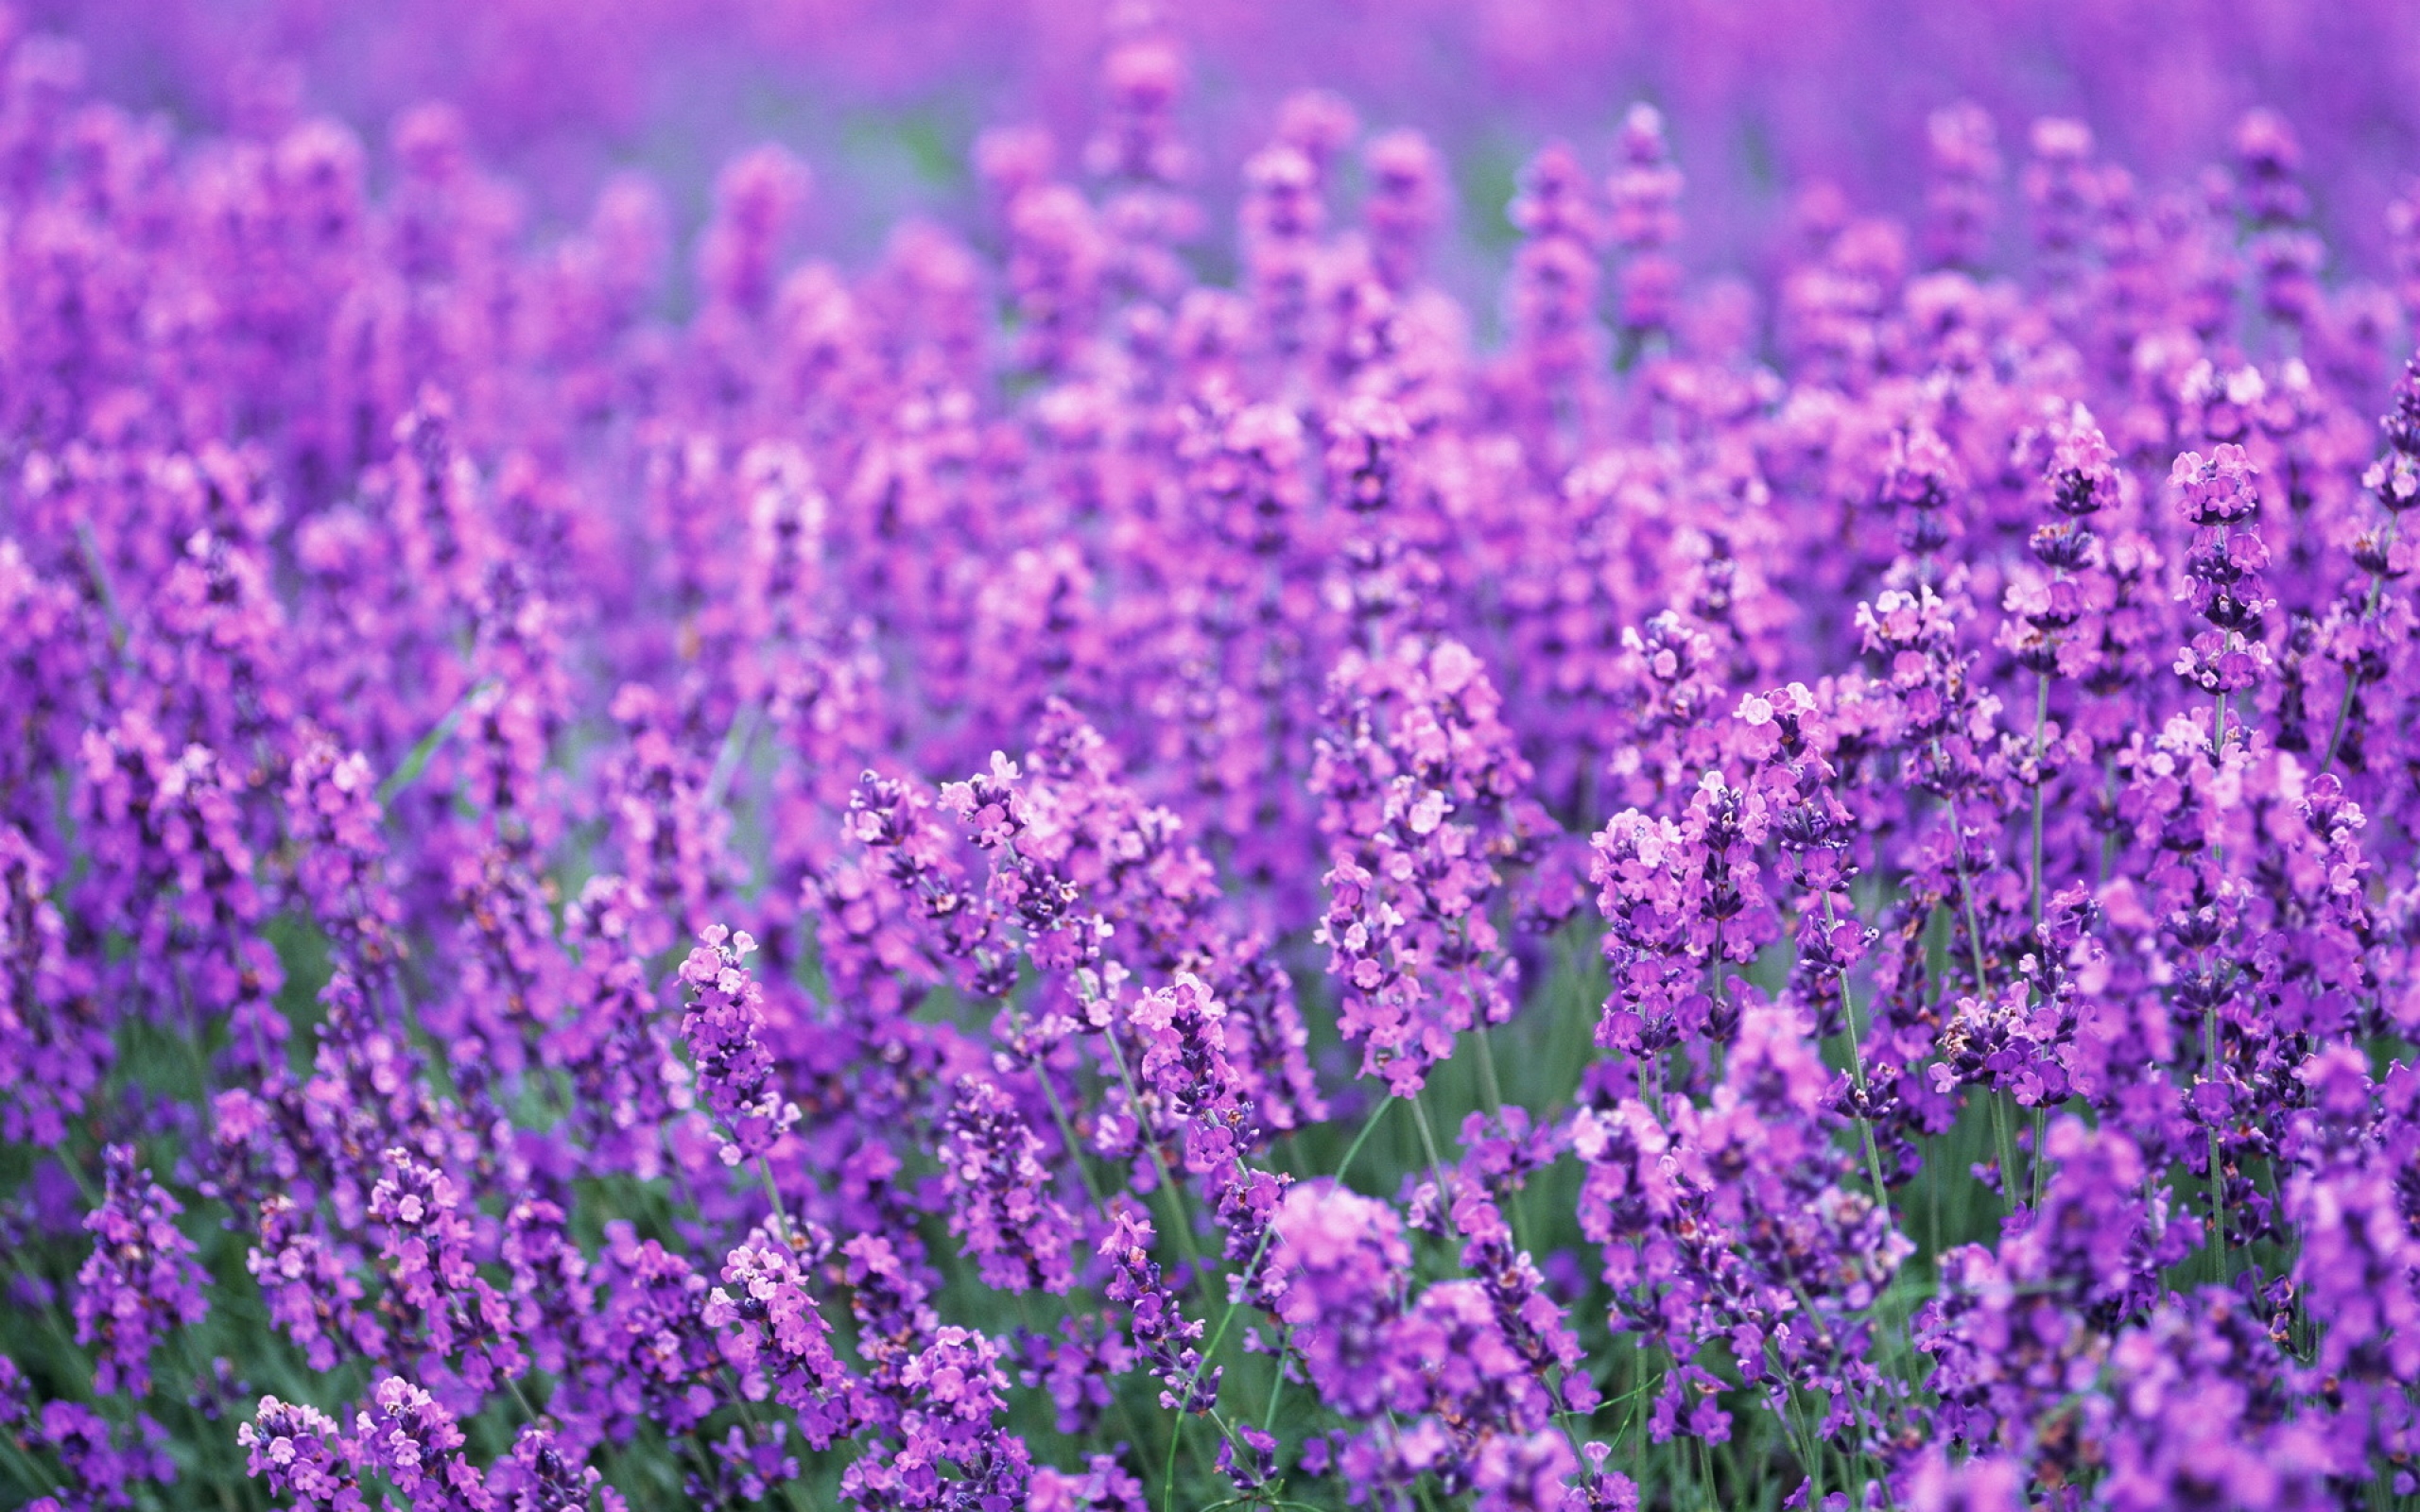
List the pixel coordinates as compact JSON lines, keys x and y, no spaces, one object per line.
{"x":141,"y":1280}
{"x":426,"y":1248}
{"x":1419,"y":785}
{"x":1001,"y":1201}
{"x":724,"y":1028}
{"x":54,"y":1047}
{"x":776,"y":1338}
{"x":301,"y":1453}
{"x":1337,"y":1272}
{"x":1127,"y":673}
{"x":417,"y":1445}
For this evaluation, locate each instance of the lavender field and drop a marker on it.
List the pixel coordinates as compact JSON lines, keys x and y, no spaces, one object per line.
{"x":1075,"y":755}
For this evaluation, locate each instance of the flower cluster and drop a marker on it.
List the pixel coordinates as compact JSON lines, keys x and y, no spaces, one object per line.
{"x":1088,"y":856}
{"x":141,"y":1280}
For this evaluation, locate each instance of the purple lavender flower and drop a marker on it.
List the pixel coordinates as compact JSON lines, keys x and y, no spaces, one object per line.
{"x":1001,"y":1203}
{"x":301,"y":1453}
{"x":1418,"y":782}
{"x":453,"y":1310}
{"x":724,"y":1028}
{"x":54,"y":1047}
{"x":1972,"y":671}
{"x":2224,"y":572}
{"x":417,"y":1445}
{"x":141,"y":1280}
{"x":1162,"y":1332}
{"x":1337,"y":1272}
{"x":773,"y":1336}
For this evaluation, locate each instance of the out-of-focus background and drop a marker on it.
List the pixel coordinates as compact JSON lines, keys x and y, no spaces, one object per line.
{"x":884,"y":97}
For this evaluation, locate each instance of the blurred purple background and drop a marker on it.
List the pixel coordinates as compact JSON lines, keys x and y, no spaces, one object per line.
{"x":1763,"y":95}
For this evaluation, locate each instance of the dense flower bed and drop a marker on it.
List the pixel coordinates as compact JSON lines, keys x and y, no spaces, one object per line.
{"x":1019,"y":878}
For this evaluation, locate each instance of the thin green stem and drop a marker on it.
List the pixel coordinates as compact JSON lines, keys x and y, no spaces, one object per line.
{"x":1184,"y":1224}
{"x":2353,"y":674}
{"x":727,"y":760}
{"x":1277,"y":1380}
{"x":528,"y":1413}
{"x":1966,"y":901}
{"x":2210,"y":1019}
{"x":2108,"y":836}
{"x":2041,"y":1168}
{"x":1167,"y":1476}
{"x":773,"y":1194}
{"x":1490,"y":1088}
{"x":1167,"y":1490}
{"x":89,"y":546}
{"x":1067,"y":1137}
{"x":1217,"y":1335}
{"x":1983,"y":988}
{"x":417,"y":759}
{"x":2007,"y":1145}
{"x":2218,"y":1168}
{"x":1856,"y":1070}
{"x":2041,"y":731}
{"x":1809,"y":1447}
{"x":1368,"y":1128}
{"x":1436,"y":1164}
{"x":36,"y":1477}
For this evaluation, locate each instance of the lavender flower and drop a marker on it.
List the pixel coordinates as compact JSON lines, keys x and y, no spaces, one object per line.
{"x":141,"y":1280}
{"x":301,"y":1453}
{"x":417,"y":1445}
{"x":659,"y":843}
{"x":774,"y":1337}
{"x":1001,"y":1201}
{"x":724,"y":1028}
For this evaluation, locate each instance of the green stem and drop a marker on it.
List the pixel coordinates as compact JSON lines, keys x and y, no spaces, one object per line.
{"x":2109,"y":836}
{"x":1809,"y":1447}
{"x":2041,"y":730}
{"x":2041,"y":1168}
{"x":1368,"y":1128}
{"x":1494,"y":1091}
{"x":417,"y":760}
{"x":36,"y":1477}
{"x":1999,"y":1100}
{"x":1168,"y":1487}
{"x":1489,"y":1087}
{"x":1966,"y":901}
{"x":2007,"y":1143}
{"x":1067,"y":1137}
{"x":528,"y":1413}
{"x":89,"y":546}
{"x":1277,"y":1380}
{"x":2210,"y":1019}
{"x":1184,"y":1224}
{"x":1167,"y":1477}
{"x":1856,"y":1070}
{"x":773,"y":1194}
{"x":1217,"y":1335}
{"x":735,"y":749}
{"x":2218,"y":1169}
{"x":2353,"y":674}
{"x":1436,"y":1165}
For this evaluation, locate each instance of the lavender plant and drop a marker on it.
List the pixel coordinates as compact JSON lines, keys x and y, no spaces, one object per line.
{"x":1101,"y":862}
